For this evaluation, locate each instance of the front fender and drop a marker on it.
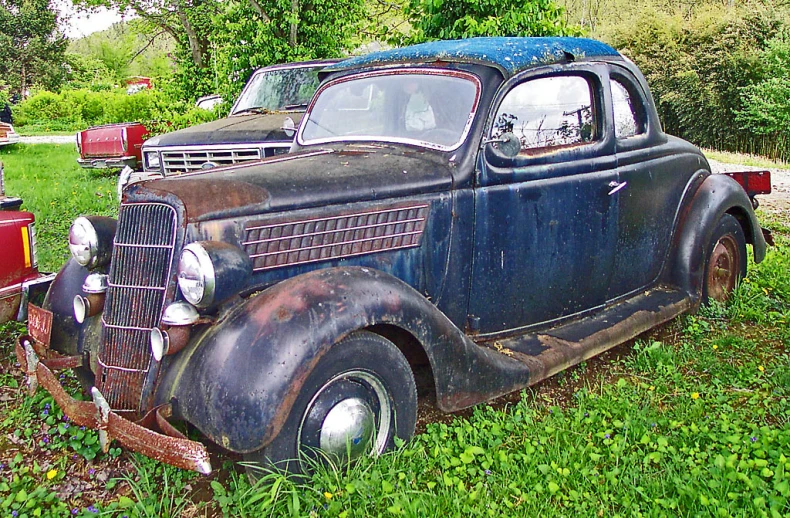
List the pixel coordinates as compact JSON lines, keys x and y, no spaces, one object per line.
{"x":717,"y":195}
{"x":60,"y":301}
{"x":237,"y":381}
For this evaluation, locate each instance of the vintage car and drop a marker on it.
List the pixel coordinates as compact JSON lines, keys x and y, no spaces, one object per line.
{"x":262,"y":123}
{"x":20,"y":280}
{"x":487,"y":211}
{"x":112,"y":146}
{"x":7,"y":134}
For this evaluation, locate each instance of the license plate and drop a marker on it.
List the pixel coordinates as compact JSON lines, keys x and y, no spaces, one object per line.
{"x":99,"y":164}
{"x":39,"y":324}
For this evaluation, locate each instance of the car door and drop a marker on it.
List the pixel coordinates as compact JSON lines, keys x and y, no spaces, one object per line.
{"x":654,"y":180}
{"x":545,"y":225}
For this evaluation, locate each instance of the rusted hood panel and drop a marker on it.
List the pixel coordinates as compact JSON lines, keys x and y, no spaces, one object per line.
{"x":239,"y":129}
{"x":309,"y":179}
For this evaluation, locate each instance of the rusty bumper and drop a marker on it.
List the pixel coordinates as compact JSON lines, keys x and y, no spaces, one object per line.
{"x":174,"y":450}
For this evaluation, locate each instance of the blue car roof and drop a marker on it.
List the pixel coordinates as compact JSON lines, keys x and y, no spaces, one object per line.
{"x":509,"y":55}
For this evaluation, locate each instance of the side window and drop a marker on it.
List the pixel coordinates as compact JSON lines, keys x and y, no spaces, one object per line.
{"x":548,"y":112}
{"x":628,"y":117}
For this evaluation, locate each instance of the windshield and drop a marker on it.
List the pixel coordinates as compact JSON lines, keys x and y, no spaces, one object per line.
{"x":279,"y":89}
{"x":431,"y":109}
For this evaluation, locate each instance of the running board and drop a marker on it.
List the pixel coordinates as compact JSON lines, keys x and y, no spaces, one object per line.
{"x":549,"y":352}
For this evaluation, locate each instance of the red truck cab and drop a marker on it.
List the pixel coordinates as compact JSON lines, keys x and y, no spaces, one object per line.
{"x":112,"y":146}
{"x":19,"y":276}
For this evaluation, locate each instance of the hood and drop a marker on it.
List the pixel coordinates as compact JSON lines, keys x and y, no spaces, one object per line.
{"x":311,"y":178}
{"x":238,"y":129}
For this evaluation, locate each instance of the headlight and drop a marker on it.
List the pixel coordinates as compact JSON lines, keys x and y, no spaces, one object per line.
{"x":152,"y":160}
{"x":210,"y":272}
{"x":90,"y":240}
{"x":196,"y":275}
{"x":83,"y":241}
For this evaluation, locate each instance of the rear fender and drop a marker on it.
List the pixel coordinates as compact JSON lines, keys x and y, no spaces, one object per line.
{"x":715,"y":196}
{"x":237,"y":381}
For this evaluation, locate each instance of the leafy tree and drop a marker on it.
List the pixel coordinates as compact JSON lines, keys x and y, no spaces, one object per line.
{"x":256,"y":33}
{"x":31,"y":46}
{"x":452,"y":19}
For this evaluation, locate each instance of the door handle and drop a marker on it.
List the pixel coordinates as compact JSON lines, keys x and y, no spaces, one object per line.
{"x":616,"y":186}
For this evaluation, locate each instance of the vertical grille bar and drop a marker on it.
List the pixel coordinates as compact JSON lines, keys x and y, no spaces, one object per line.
{"x":142,"y":258}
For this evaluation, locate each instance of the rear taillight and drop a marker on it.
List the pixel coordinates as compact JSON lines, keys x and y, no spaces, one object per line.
{"x":79,"y":143}
{"x":753,"y":182}
{"x":124,"y":140}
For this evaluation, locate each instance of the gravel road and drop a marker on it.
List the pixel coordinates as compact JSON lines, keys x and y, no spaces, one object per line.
{"x":779,"y":199}
{"x":49,"y":139}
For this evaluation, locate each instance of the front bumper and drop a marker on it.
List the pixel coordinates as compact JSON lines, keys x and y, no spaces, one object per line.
{"x":173,"y":449}
{"x":108,"y":163}
{"x":33,"y":291}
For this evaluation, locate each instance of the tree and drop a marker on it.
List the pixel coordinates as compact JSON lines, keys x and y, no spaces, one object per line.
{"x":256,"y":33}
{"x":452,"y":19}
{"x":31,"y":46}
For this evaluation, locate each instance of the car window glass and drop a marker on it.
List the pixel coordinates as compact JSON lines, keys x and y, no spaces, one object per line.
{"x":279,"y":89}
{"x":420,"y":108}
{"x":548,"y":112}
{"x":627,"y":121}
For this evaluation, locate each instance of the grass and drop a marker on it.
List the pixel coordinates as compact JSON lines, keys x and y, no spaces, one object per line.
{"x":691,"y":420}
{"x":53,"y":186}
{"x":41,"y":131}
{"x":744,"y":159}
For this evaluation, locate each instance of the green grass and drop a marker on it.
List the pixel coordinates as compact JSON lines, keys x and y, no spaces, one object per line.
{"x":54,"y":187}
{"x":40,"y":131}
{"x":744,"y":159}
{"x":693,"y":420}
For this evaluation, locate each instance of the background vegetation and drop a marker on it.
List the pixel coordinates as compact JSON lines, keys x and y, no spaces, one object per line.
{"x":690,"y":420}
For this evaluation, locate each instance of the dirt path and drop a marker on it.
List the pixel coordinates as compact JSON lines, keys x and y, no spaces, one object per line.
{"x":779,"y":199}
{"x":48,"y":139}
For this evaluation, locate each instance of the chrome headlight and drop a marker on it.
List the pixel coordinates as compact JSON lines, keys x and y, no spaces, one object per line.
{"x":83,"y":242}
{"x":210,"y":272}
{"x":90,"y":240}
{"x":196,"y":275}
{"x":152,"y":161}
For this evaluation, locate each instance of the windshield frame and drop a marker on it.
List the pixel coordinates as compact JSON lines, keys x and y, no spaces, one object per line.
{"x":319,"y":65}
{"x":394,"y":140}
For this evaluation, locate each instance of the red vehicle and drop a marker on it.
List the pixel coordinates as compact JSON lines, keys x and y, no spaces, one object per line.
{"x":111,"y":146}
{"x":20,"y":280}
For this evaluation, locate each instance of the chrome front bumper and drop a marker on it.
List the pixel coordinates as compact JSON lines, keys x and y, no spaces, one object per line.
{"x":108,"y":163}
{"x":169,"y":447}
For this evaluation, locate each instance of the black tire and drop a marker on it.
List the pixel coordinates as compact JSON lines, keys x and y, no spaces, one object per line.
{"x":362,"y":367}
{"x":725,"y":260}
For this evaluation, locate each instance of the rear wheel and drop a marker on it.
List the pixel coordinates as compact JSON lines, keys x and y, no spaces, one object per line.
{"x":726,"y":260}
{"x":358,"y":398}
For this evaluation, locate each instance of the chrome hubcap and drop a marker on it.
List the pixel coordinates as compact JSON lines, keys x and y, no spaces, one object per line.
{"x":350,"y":416}
{"x":348,"y":429}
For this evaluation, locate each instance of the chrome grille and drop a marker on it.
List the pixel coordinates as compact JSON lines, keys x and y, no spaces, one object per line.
{"x":141,"y":262}
{"x":276,"y":244}
{"x":184,"y":161}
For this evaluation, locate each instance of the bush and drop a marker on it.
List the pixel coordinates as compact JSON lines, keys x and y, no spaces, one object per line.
{"x":74,"y":110}
{"x":701,"y":68}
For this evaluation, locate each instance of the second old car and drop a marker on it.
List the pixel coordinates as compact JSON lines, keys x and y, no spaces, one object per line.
{"x":262,"y":123}
{"x":487,"y":211}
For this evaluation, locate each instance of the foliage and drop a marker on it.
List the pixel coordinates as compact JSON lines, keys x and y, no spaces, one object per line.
{"x":453,"y":19}
{"x":317,"y":29}
{"x":31,"y":46}
{"x":699,"y":65}
{"x":78,"y":109}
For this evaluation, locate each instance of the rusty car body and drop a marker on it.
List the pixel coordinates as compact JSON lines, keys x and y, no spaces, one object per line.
{"x":20,"y":280}
{"x":8,"y":135}
{"x":262,"y":123}
{"x":493,"y":210}
{"x":112,"y":146}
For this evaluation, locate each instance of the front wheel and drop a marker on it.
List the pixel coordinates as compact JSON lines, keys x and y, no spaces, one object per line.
{"x":358,"y":398}
{"x":726,"y":260}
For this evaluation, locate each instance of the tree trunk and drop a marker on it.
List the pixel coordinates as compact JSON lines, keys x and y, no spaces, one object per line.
{"x":194,"y":43}
{"x":23,"y":83}
{"x":294,"y":23}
